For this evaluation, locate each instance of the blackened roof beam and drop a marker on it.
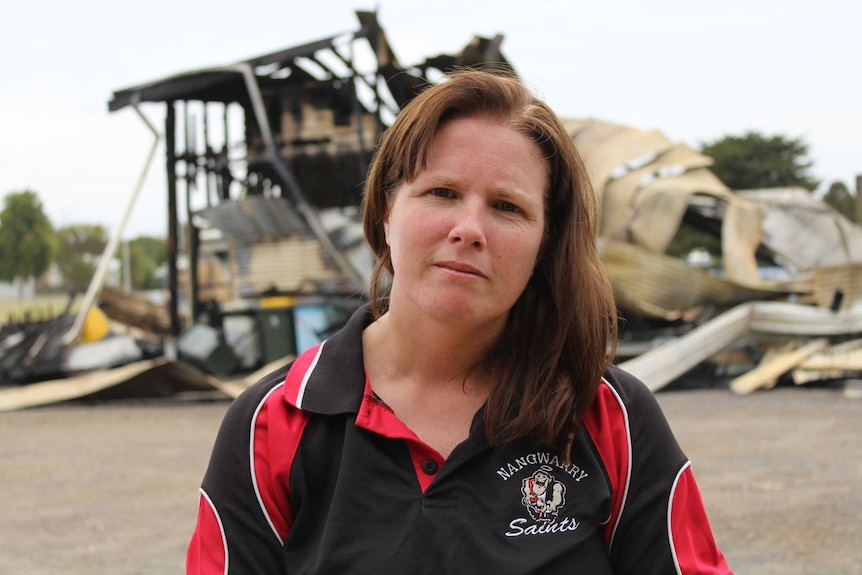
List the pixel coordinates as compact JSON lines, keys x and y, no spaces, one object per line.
{"x":220,"y":84}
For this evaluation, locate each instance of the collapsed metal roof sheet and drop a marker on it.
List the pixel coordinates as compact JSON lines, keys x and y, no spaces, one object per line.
{"x":647,"y":184}
{"x":255,"y":219}
{"x":804,"y":232}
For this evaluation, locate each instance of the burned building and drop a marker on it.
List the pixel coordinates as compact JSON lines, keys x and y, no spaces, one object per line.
{"x":285,"y":191}
{"x":267,"y":158}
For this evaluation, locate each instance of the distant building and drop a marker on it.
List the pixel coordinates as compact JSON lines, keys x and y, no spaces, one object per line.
{"x":11,"y":290}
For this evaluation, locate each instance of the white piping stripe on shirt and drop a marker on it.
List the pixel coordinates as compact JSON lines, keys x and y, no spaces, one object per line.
{"x":301,"y":393}
{"x":628,"y":467}
{"x":220,"y":528}
{"x":669,"y":511}
{"x":251,"y":463}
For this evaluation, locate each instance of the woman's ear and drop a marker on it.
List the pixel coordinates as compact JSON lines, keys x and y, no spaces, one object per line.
{"x":386,"y":227}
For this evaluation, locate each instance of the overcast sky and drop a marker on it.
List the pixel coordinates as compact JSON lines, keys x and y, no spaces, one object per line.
{"x":695,"y":71}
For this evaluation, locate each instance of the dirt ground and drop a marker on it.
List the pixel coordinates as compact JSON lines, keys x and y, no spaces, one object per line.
{"x":111,"y":488}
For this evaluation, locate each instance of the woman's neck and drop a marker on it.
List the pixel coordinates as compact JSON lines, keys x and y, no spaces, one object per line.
{"x":428,"y":375}
{"x":425,"y":350}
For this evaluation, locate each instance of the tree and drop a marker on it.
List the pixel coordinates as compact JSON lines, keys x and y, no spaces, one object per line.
{"x":145,"y":255}
{"x":839,"y":197}
{"x":756,"y":161}
{"x":79,"y":247}
{"x":689,"y":237}
{"x":26,"y":238}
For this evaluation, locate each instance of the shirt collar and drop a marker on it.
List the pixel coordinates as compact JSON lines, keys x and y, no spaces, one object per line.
{"x":330,"y":377}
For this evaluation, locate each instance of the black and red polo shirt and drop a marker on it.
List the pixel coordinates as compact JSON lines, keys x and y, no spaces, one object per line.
{"x":312,"y":473}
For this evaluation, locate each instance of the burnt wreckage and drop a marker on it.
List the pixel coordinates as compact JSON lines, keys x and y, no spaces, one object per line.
{"x":311,"y":116}
{"x":268,"y":155}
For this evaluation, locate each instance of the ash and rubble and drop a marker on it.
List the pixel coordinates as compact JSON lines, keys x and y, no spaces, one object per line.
{"x":269,"y":257}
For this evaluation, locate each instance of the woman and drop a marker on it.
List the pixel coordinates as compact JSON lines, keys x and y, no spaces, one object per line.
{"x":469,"y":418}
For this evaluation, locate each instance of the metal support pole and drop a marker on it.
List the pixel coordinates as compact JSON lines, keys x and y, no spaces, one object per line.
{"x":101,"y":272}
{"x":191,"y":250}
{"x":127,"y":268}
{"x":173,"y":235}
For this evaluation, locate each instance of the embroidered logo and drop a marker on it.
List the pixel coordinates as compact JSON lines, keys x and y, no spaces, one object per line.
{"x":543,"y":495}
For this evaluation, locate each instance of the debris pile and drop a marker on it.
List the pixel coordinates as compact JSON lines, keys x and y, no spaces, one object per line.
{"x":273,"y":257}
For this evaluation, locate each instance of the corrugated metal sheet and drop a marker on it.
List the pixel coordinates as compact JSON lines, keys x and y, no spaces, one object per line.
{"x":255,"y":219}
{"x":605,"y":146}
{"x":831,"y":279}
{"x":657,"y":209}
{"x":805,"y":232}
{"x":664,"y":287}
{"x":621,"y":190}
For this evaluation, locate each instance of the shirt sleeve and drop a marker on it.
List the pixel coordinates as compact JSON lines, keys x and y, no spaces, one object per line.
{"x":244,"y":510}
{"x":659,"y":524}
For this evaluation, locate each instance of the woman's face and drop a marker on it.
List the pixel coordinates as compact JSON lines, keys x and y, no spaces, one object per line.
{"x":465,"y":233}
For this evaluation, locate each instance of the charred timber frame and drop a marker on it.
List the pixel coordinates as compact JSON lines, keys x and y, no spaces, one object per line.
{"x":286,"y":86}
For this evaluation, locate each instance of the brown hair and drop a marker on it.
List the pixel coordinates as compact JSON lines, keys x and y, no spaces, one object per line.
{"x":561,"y":333}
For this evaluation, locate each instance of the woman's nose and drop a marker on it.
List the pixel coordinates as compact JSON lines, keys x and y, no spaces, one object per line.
{"x":468,"y":227}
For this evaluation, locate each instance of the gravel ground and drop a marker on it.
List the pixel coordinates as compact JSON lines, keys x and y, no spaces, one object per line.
{"x":112,"y":487}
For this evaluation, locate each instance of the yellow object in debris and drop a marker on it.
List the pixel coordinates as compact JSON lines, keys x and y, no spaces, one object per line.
{"x":276,"y":302}
{"x":96,"y":326}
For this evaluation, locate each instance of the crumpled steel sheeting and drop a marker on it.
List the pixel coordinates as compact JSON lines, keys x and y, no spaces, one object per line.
{"x":803,"y":231}
{"x":662,"y":364}
{"x":658,"y":208}
{"x":644,"y":180}
{"x":606,"y":147}
{"x":837,"y":287}
{"x":256,"y":219}
{"x":664,"y":287}
{"x":646,"y":184}
{"x":620,"y":191}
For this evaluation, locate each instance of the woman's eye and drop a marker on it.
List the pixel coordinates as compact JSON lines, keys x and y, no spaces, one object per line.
{"x":441,"y":192}
{"x":508,"y":207}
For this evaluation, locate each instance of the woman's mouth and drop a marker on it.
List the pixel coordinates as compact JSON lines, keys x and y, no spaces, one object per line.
{"x":460,"y":268}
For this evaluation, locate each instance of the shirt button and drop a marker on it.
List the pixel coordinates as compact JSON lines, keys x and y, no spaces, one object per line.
{"x":430,"y":466}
